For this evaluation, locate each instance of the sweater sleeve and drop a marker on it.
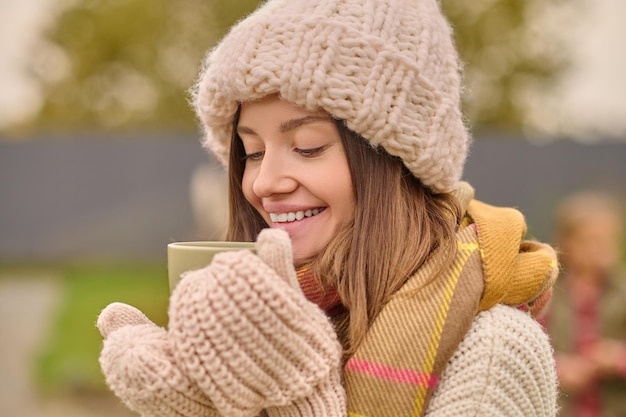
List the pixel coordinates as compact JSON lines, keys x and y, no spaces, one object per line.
{"x":503,"y":367}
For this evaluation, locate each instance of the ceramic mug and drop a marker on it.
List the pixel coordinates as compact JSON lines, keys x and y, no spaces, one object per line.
{"x":188,"y":256}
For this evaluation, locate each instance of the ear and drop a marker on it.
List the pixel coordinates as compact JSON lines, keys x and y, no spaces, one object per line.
{"x":274,"y":248}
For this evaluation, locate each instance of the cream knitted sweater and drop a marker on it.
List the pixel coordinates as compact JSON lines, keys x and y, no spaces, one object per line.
{"x":503,"y":367}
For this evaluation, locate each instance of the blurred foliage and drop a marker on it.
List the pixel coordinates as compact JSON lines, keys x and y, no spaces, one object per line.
{"x":504,"y":53}
{"x":131,"y":63}
{"x":68,"y":363}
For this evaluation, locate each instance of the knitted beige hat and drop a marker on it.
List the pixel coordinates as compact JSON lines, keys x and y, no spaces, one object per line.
{"x":389,"y":68}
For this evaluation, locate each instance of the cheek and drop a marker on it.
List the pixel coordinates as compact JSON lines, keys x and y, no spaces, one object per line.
{"x":339,"y":195}
{"x":246,"y":186}
{"x":343,"y":193}
{"x":347,"y":203}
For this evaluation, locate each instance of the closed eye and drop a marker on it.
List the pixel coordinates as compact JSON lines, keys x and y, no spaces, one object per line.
{"x":255,"y":156}
{"x":309,"y":153}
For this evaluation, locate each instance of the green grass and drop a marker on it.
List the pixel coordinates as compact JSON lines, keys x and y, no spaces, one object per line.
{"x":69,"y":360}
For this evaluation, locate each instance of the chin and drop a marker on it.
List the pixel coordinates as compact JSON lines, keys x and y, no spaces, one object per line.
{"x":303,"y":257}
{"x":299,"y":261}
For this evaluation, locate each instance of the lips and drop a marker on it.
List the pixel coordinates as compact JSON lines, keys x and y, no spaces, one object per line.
{"x":291,"y":216}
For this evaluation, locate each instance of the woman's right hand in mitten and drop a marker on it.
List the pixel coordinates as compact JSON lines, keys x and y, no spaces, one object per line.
{"x":245,"y":334}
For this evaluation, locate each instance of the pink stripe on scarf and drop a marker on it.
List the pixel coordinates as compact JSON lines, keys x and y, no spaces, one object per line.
{"x":403,"y":376}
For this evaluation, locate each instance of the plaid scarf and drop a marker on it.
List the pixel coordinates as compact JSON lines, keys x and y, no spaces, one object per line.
{"x":326,"y":298}
{"x":397,"y":367}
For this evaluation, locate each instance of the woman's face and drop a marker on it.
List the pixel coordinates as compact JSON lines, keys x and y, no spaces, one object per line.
{"x":296,"y":173}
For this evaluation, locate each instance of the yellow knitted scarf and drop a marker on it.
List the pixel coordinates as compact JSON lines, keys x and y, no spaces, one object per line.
{"x":396,"y":369}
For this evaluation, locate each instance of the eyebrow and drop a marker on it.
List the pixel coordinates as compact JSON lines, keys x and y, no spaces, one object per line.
{"x":289,"y":125}
{"x":293,"y":124}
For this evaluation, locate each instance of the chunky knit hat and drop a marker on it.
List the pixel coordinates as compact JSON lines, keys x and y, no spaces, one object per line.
{"x":389,"y":68}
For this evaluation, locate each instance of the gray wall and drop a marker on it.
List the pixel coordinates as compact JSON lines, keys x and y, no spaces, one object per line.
{"x":94,"y":197}
{"x":535,"y":178}
{"x":101,"y":197}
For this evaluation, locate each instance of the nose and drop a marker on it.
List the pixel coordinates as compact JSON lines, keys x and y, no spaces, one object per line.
{"x":273,"y":177}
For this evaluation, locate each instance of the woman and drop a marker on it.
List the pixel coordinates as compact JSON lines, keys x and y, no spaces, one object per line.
{"x":340,"y":124}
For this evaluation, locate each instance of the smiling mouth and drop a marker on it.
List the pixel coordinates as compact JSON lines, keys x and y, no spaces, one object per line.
{"x":292,"y":216}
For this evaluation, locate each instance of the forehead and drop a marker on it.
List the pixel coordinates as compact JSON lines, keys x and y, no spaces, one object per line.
{"x":272,"y":108}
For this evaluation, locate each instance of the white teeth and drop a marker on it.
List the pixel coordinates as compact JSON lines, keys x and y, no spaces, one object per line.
{"x":293,"y":216}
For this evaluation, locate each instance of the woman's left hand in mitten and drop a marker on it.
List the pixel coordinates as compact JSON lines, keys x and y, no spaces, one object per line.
{"x":139,"y":367}
{"x":242,"y":330}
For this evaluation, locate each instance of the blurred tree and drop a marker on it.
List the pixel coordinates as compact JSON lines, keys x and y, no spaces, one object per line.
{"x":506,"y":51}
{"x":130,"y":63}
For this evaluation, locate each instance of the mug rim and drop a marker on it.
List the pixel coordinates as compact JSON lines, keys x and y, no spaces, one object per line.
{"x":210,"y":245}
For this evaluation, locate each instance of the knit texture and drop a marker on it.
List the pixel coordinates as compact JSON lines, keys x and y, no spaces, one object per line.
{"x":514,"y":272}
{"x":241,"y":334}
{"x":140,"y":368}
{"x":389,"y":68}
{"x":400,"y":362}
{"x":326,"y":297}
{"x":503,"y":367}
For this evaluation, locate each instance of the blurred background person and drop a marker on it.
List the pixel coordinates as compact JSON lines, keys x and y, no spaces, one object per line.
{"x":587,"y":318}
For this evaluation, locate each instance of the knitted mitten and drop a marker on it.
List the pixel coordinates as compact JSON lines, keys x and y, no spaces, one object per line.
{"x":242,"y":338}
{"x":139,"y":367}
{"x":244,"y":332}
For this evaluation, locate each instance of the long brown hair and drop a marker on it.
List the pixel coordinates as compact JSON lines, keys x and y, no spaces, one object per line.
{"x":398,"y":223}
